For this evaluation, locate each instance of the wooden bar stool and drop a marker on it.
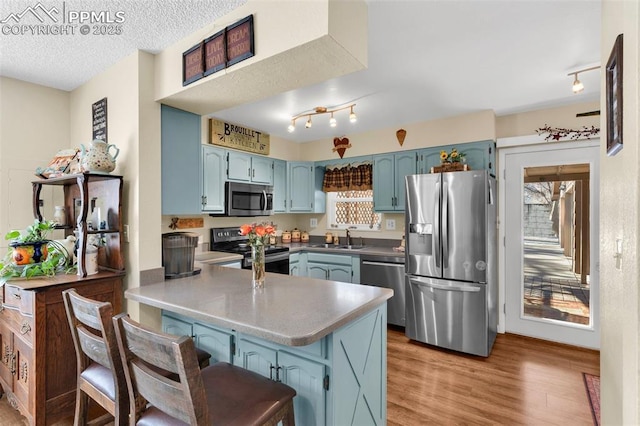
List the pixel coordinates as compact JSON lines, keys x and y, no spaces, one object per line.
{"x":220,"y":394}
{"x":100,"y":370}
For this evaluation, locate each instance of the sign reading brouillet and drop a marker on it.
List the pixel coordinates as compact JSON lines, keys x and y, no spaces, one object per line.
{"x":238,"y":137}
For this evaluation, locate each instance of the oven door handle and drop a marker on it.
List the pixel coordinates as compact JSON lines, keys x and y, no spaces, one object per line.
{"x":276,"y":257}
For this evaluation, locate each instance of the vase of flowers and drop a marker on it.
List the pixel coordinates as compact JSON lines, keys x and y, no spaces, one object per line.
{"x":258,"y":238}
{"x":452,"y":161}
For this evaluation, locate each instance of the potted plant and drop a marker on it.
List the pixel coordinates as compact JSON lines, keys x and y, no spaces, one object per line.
{"x":32,"y":254}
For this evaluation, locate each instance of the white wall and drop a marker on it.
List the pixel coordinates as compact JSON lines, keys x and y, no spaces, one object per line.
{"x":134,"y":127}
{"x":34,"y":126}
{"x":620,"y":212}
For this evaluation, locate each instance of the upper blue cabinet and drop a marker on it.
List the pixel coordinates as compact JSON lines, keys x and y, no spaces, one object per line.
{"x":250,"y":168}
{"x":181,"y":162}
{"x":478,"y":155}
{"x":304,"y":187}
{"x":389,"y":171}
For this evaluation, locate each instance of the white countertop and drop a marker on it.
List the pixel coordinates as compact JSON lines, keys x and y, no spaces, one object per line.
{"x":293,"y":311}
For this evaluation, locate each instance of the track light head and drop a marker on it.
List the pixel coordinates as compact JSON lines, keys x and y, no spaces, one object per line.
{"x":577,"y":85}
{"x":352,"y":116}
{"x":332,"y":121}
{"x":308,"y":123}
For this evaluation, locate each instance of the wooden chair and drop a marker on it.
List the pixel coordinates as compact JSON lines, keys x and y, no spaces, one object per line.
{"x":220,"y":394}
{"x":100,"y":370}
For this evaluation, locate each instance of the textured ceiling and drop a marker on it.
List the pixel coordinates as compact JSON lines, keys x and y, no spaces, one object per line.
{"x":428,"y":59}
{"x":67,"y":61}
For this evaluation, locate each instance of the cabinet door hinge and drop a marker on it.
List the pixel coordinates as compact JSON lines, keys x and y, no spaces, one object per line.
{"x":325,"y":382}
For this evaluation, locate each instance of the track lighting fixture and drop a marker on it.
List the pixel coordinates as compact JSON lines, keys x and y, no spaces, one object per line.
{"x":322,"y":110}
{"x":577,"y":84}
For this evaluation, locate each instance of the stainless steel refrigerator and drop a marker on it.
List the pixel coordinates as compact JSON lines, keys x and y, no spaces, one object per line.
{"x":451,"y":272}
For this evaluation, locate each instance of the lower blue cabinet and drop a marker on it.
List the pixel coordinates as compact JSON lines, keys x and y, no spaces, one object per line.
{"x":339,"y":379}
{"x":217,"y":342}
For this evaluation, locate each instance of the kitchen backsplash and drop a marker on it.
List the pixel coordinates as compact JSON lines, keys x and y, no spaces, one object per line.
{"x":288,"y":222}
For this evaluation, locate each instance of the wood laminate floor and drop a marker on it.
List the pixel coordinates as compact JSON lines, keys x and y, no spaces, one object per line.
{"x":524,"y":381}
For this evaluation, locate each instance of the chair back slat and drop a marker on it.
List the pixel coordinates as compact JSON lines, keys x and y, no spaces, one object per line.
{"x":144,"y":351}
{"x":88,"y":311}
{"x":91,"y":325}
{"x":160,"y":391}
{"x":94,"y":347}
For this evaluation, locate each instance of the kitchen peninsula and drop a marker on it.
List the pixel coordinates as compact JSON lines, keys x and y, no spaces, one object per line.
{"x":326,"y":339}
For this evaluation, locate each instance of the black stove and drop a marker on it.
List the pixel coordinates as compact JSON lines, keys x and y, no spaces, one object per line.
{"x":229,"y":240}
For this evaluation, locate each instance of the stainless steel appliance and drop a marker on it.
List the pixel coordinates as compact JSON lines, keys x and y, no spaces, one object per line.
{"x":178,"y":254}
{"x":451,"y":272}
{"x":248,"y":199}
{"x":387,"y":272}
{"x":229,"y":240}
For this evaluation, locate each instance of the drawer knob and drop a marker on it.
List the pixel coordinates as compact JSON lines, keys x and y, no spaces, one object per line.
{"x":16,"y":296}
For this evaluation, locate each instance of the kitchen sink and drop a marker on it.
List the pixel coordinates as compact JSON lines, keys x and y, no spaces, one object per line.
{"x":339,"y":247}
{"x":349,"y":247}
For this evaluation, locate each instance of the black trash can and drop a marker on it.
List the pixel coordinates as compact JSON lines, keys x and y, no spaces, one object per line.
{"x":178,"y":254}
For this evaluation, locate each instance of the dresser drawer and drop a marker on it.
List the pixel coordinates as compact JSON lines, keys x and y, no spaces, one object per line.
{"x":17,"y":298}
{"x":22,"y":325}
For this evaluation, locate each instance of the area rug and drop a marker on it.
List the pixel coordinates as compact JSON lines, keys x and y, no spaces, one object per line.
{"x":592,"y":384}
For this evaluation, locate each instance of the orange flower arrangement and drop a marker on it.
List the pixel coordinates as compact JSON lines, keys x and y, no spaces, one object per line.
{"x":258,"y":233}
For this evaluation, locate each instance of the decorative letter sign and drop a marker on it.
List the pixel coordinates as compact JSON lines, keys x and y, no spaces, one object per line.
{"x":238,"y":137}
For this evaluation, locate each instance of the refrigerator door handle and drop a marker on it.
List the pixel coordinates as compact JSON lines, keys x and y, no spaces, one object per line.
{"x":445,"y":226}
{"x":436,"y":230}
{"x":464,"y":288}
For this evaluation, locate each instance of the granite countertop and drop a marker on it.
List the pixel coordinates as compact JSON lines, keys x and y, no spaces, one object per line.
{"x":217,"y":257}
{"x":293,"y":311}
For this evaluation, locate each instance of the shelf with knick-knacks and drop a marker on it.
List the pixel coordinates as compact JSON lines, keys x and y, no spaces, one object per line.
{"x":93,"y":212}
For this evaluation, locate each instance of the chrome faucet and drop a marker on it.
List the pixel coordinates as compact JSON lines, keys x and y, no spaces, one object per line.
{"x":348,"y":238}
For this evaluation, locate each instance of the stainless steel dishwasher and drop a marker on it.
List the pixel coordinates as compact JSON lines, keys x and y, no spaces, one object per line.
{"x":387,"y":272}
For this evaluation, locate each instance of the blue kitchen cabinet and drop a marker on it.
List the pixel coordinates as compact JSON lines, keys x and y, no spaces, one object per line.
{"x":389,"y":171}
{"x":180,"y":141}
{"x":304,"y":185}
{"x":213,"y":173}
{"x":334,"y":267}
{"x":244,"y":167}
{"x":303,"y":374}
{"x":218,"y":342}
{"x":478,"y":155}
{"x":279,"y":186}
{"x":357,"y":375}
{"x":239,"y":165}
{"x":339,"y":379}
{"x":294,"y":264}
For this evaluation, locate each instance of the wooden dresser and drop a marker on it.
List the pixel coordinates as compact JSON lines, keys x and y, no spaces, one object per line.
{"x":37,"y":358}
{"x":38,"y":361}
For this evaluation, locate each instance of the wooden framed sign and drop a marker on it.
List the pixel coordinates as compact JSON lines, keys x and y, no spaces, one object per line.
{"x":215,"y":53}
{"x":99,"y":119}
{"x":192,"y":64}
{"x":239,"y":38}
{"x":238,"y":137}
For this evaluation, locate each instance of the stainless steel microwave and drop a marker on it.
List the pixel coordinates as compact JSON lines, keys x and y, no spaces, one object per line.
{"x":248,"y":199}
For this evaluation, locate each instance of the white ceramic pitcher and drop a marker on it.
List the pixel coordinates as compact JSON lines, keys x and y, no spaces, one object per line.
{"x":98,"y":158}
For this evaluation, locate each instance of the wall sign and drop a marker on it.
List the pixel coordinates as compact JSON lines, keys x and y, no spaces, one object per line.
{"x":240,"y":41}
{"x":215,"y":53}
{"x":223,"y":49}
{"x":238,"y":137}
{"x":99,"y":119}
{"x":192,"y":64}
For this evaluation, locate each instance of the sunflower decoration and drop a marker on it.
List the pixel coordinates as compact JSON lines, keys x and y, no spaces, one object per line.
{"x":451,"y":157}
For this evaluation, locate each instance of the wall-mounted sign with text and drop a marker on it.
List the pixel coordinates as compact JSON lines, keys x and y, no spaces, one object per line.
{"x":99,"y":119}
{"x":238,"y":137}
{"x":223,"y":49}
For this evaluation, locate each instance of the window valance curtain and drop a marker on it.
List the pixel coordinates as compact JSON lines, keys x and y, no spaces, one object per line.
{"x":350,"y":177}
